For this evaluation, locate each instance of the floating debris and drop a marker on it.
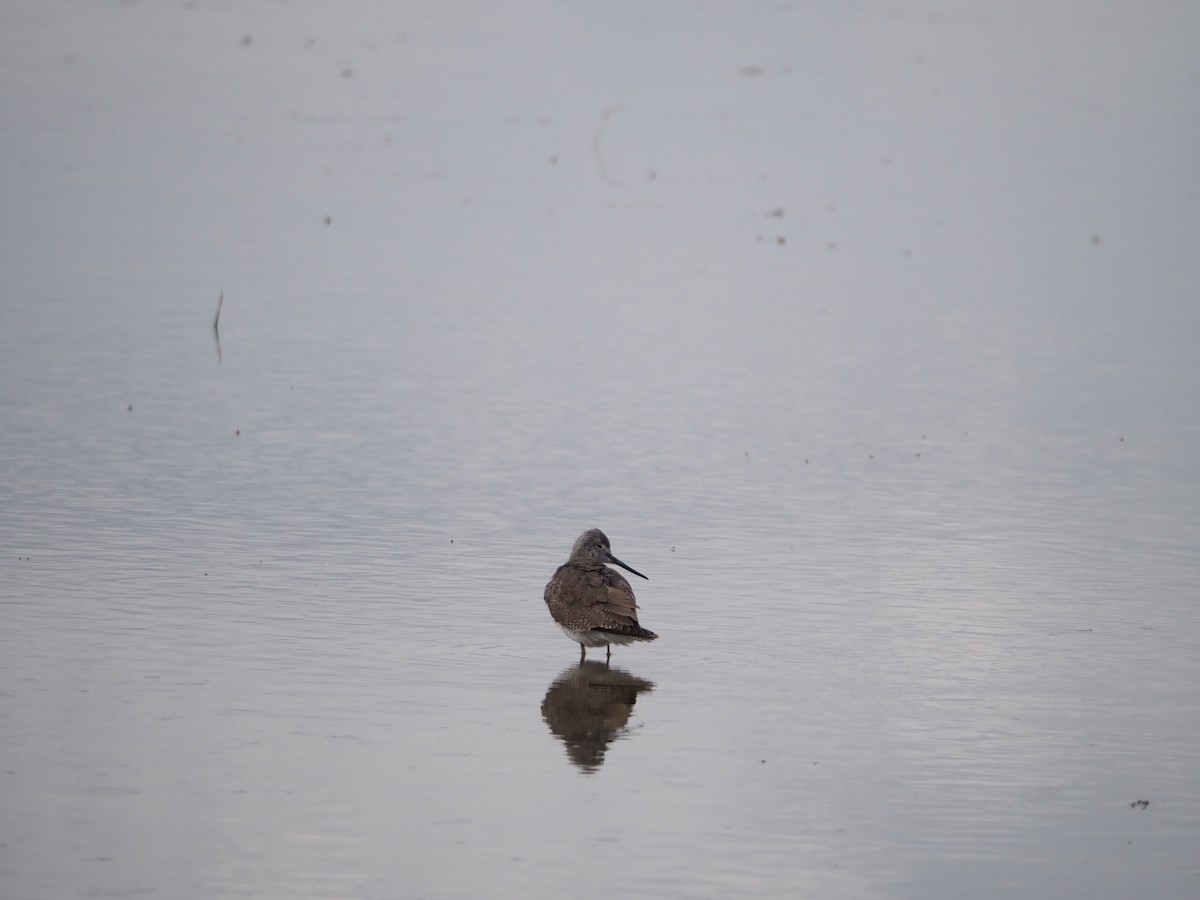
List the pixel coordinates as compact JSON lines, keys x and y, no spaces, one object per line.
{"x":217,"y":326}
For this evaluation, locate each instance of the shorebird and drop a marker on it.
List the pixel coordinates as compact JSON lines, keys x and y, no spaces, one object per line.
{"x":592,"y":603}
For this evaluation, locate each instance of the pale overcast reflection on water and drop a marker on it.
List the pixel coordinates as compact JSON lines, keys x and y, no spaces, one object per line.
{"x":869,"y":333}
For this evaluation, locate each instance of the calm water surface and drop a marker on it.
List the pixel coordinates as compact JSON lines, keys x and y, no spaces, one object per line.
{"x":869,"y":335}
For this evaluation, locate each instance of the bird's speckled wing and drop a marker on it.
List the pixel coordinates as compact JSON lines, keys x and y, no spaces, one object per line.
{"x":614,"y":602}
{"x":593,"y":597}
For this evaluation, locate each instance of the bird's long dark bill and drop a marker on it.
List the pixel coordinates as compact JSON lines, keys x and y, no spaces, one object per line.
{"x":616,"y":562}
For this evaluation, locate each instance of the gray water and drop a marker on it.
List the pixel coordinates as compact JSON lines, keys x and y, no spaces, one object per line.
{"x":868,"y":332}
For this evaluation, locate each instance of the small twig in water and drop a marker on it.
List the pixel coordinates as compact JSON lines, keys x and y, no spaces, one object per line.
{"x":217,"y":325}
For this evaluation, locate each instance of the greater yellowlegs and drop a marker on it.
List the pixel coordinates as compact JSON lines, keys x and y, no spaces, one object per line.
{"x":592,"y":603}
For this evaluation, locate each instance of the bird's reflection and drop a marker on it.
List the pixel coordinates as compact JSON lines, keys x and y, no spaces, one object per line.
{"x":588,"y":706}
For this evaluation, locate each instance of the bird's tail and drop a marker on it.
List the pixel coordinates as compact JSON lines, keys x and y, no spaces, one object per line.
{"x":634,"y":632}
